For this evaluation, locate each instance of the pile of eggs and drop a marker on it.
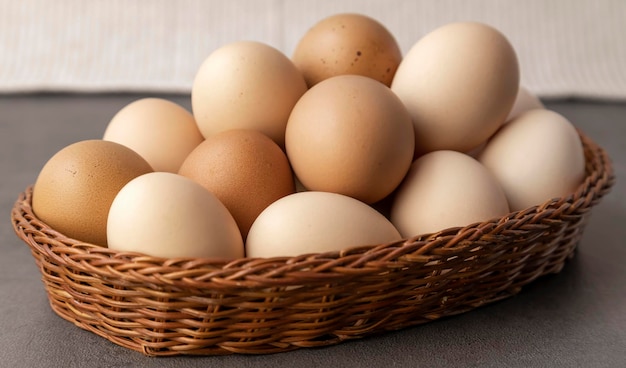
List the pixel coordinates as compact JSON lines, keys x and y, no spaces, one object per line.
{"x":347,"y":143}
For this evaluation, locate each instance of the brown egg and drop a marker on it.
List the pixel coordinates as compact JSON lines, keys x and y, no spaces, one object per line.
{"x":350,"y":135}
{"x":245,"y":170}
{"x":347,"y":44}
{"x":75,"y":188}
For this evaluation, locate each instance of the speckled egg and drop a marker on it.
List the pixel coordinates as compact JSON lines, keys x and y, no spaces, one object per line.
{"x":347,"y":43}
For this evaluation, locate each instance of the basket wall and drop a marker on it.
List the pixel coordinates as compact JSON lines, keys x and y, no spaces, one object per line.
{"x":202,"y":306}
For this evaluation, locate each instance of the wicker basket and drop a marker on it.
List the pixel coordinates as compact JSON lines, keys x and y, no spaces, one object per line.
{"x":202,"y":306}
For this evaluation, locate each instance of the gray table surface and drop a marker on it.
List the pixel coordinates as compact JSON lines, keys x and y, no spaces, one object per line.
{"x":574,"y":319}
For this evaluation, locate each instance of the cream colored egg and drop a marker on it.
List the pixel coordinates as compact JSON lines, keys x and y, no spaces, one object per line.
{"x":167,"y":215}
{"x":246,"y":85}
{"x":446,"y":189}
{"x":525,"y":100}
{"x":536,"y":157}
{"x":459,"y":83}
{"x":316,"y":222}
{"x":160,"y":131}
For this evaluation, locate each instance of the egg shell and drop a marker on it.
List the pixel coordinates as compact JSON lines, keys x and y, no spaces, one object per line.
{"x":446,"y":189}
{"x":524,"y":101}
{"x":245,"y":169}
{"x":536,"y":157}
{"x":161,"y":131}
{"x":167,"y":215}
{"x":347,"y":43}
{"x":459,"y":83}
{"x":350,"y":135}
{"x":316,"y":222}
{"x":246,"y":85}
{"x":75,"y":188}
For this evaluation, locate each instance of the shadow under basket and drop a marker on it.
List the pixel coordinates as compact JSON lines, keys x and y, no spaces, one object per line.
{"x":201,"y":306}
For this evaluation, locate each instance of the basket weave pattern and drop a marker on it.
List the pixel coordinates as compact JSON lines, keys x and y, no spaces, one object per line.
{"x":202,"y":306}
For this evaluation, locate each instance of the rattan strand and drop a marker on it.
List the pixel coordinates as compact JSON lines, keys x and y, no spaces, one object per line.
{"x":258,"y":306}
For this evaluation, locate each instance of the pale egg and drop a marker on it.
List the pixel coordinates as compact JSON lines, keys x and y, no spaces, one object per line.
{"x":316,"y":222}
{"x":246,"y":85}
{"x":525,"y":100}
{"x":459,"y":83}
{"x":536,"y":157}
{"x":168,"y":215}
{"x":446,"y":189}
{"x":161,"y":131}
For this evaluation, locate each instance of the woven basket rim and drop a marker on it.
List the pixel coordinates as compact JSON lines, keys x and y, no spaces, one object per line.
{"x":317,"y":267}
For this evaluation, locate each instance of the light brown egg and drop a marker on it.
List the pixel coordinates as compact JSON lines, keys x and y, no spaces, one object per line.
{"x":350,"y":135}
{"x":161,"y":131}
{"x":246,"y":85}
{"x":347,"y":44}
{"x":245,"y":169}
{"x":459,"y":83}
{"x":75,"y":188}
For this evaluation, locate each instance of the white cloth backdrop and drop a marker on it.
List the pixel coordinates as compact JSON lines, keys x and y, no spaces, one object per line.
{"x":566,"y":48}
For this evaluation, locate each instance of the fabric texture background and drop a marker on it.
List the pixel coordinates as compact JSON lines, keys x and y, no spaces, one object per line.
{"x":565,"y":48}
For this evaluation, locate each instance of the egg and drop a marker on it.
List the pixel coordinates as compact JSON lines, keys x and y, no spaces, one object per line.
{"x":163,"y":214}
{"x":536,"y":157}
{"x":76,"y":186}
{"x":446,"y":189}
{"x":316,"y":222}
{"x":524,"y":101}
{"x":245,"y":169}
{"x":246,"y":85}
{"x":350,"y":135}
{"x":347,"y":44}
{"x":459,"y":83}
{"x":161,"y":131}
